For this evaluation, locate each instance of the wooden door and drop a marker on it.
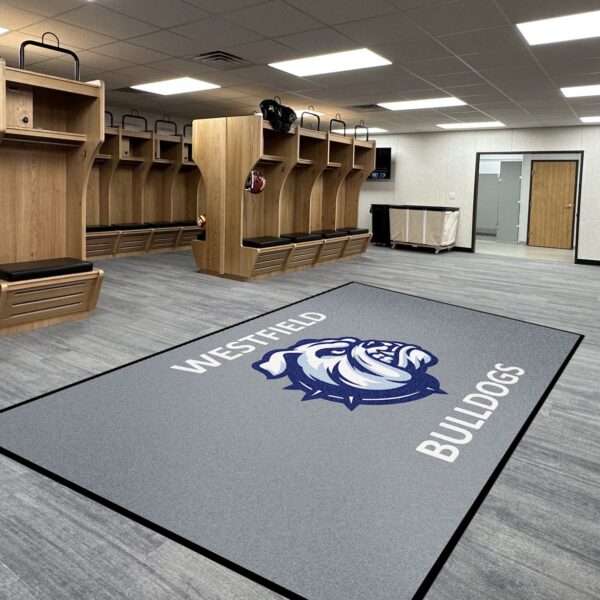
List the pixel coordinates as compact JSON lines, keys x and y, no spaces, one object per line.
{"x":552,"y":203}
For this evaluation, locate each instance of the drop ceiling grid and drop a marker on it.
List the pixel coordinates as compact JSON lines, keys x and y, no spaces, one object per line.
{"x":466,"y":48}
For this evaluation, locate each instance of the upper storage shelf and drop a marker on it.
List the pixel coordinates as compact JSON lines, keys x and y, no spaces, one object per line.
{"x":42,"y":108}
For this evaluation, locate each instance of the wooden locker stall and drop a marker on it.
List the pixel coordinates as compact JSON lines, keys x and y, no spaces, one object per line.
{"x":146,"y":193}
{"x":305,"y":194}
{"x":50,"y":131}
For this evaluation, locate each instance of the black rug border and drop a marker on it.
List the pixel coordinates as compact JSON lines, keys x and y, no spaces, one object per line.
{"x":239,"y":569}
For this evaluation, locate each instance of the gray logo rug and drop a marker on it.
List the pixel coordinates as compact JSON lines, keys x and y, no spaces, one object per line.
{"x":334,"y":449}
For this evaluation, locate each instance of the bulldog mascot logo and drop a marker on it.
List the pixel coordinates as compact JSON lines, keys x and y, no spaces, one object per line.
{"x":353,"y":371}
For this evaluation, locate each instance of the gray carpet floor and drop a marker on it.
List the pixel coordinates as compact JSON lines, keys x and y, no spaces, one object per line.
{"x":537,"y":535}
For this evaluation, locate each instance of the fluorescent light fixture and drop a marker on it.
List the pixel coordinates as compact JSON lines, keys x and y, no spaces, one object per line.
{"x":590,"y":119}
{"x":176,"y":86}
{"x":371,"y":130}
{"x":481,"y":125}
{"x":562,"y":29}
{"x":419,"y":104}
{"x":580,"y":91}
{"x":351,"y":60}
{"x":3,"y":30}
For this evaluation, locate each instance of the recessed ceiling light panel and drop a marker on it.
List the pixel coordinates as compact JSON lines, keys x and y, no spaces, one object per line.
{"x":480,"y":125}
{"x":3,"y":30}
{"x":420,"y":104}
{"x":581,"y":91}
{"x":183,"y":85}
{"x":336,"y":62}
{"x":590,"y":119}
{"x":562,"y":29}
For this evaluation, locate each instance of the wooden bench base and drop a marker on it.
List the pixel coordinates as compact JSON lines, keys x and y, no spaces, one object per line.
{"x":35,"y":303}
{"x":277,"y":260}
{"x":111,"y":244}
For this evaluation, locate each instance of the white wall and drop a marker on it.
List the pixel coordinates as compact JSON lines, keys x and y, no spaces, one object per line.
{"x":428,"y":167}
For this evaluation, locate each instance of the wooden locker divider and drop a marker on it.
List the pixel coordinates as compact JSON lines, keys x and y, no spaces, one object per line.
{"x":313,"y":182}
{"x":50,"y":131}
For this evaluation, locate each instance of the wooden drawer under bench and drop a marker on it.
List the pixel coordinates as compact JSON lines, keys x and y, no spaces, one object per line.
{"x":27,"y":305}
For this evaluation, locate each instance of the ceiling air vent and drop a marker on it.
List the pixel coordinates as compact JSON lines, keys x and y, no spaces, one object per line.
{"x":218,"y":59}
{"x":365,"y":108}
{"x":128,"y":90}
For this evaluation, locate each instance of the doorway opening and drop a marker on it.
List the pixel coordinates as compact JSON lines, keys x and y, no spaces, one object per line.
{"x":526,"y":204}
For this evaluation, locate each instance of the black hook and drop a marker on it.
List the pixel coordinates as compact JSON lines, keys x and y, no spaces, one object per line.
{"x":361,"y":125}
{"x":310,"y":112}
{"x":134,"y":114}
{"x":165,"y":120}
{"x":337,"y":120}
{"x":56,"y":48}
{"x":107,"y":113}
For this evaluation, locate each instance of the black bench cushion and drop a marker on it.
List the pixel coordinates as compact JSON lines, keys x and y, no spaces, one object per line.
{"x":186,"y":223}
{"x":36,"y":269}
{"x":330,"y":233}
{"x":129,"y":226}
{"x":160,"y":224}
{"x":100,"y":228}
{"x":266,"y":241}
{"x":353,"y":230}
{"x":299,"y":237}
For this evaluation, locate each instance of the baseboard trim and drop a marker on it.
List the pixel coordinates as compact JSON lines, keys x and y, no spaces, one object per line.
{"x":585,"y":261}
{"x":463,"y":249}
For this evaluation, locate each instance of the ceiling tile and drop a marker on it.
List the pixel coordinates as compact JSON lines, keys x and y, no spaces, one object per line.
{"x":100,"y":63}
{"x":580,"y":50}
{"x":102,"y":20}
{"x":468,"y":91}
{"x":263,"y":52}
{"x":273,"y":19}
{"x":334,"y":12}
{"x":141,"y":74}
{"x":455,"y":79}
{"x":574,"y":80}
{"x":277,"y":79}
{"x":14,"y":39}
{"x":48,"y":8}
{"x":317,"y":41}
{"x":519,"y":11}
{"x":404,"y":52}
{"x":215,"y":32}
{"x":454,"y":17}
{"x":513,"y":73}
{"x":499,"y":58}
{"x":223,"y":6}
{"x":470,"y":42}
{"x":15,"y":18}
{"x":381,"y":30}
{"x":70,"y":36}
{"x":131,"y":53}
{"x":170,"y":44}
{"x":161,"y":13}
{"x":440,"y":66}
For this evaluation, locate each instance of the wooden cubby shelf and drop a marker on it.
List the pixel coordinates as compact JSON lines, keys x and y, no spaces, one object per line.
{"x":141,"y":177}
{"x":50,"y":130}
{"x":312,"y":185}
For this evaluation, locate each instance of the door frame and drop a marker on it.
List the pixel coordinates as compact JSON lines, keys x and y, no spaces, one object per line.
{"x":575,"y":201}
{"x":577,"y":208}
